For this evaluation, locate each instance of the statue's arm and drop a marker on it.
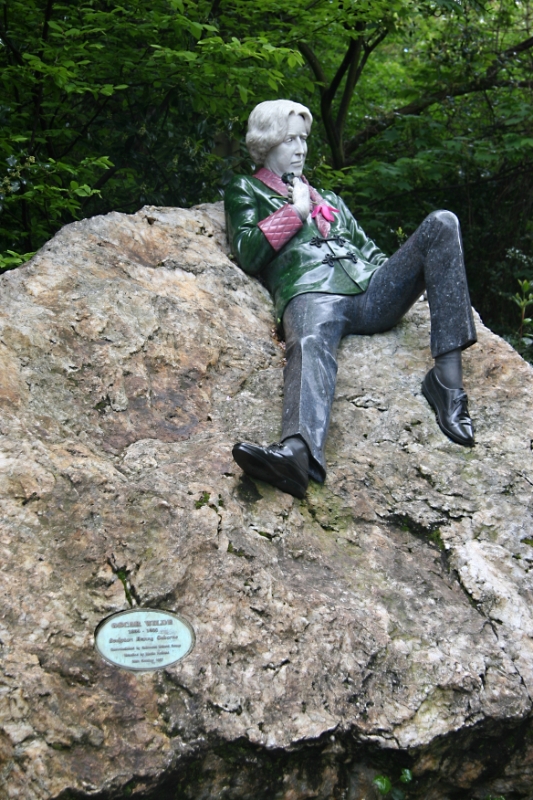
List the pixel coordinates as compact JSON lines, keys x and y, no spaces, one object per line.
{"x":254,"y":240}
{"x":368,"y":248}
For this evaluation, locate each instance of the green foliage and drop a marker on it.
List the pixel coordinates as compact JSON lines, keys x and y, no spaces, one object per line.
{"x":522,"y":339}
{"x":122,"y":575}
{"x":382,"y":784}
{"x":109,"y":106}
{"x":387,"y":787}
{"x":523,"y":300}
{"x":516,"y":267}
{"x":46,"y":191}
{"x":203,"y":500}
{"x":12,"y":260}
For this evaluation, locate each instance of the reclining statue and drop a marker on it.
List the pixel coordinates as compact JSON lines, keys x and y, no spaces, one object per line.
{"x":327,"y":280}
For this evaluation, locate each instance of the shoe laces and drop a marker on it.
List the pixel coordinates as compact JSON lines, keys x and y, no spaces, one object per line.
{"x":460,"y":403}
{"x":461,"y":399}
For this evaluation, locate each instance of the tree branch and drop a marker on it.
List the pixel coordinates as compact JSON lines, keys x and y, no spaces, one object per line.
{"x":416,"y":107}
{"x":326,"y":99}
{"x":47,"y":16}
{"x":352,"y":54}
{"x":103,"y":179}
{"x":527,"y":44}
{"x":83,"y":131}
{"x":351,"y":81}
{"x":356,"y":70}
{"x":316,"y":67}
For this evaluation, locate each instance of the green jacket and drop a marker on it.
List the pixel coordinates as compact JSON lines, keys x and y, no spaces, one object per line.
{"x":291,"y":257}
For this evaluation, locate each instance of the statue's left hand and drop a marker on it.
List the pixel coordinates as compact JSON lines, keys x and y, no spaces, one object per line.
{"x":300,"y":198}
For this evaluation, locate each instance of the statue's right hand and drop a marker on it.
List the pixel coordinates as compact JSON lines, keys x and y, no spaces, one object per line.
{"x":301,"y":199}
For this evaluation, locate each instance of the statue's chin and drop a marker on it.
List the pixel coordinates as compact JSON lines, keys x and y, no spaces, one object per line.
{"x":296,"y":170}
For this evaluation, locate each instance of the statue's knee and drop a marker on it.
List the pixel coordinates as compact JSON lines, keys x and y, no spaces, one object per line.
{"x":298,"y":345}
{"x":445,"y":219}
{"x":314,"y":343}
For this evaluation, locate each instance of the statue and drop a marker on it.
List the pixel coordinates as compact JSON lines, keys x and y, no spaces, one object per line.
{"x":327,"y":280}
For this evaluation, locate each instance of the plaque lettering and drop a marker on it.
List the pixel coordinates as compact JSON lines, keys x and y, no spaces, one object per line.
{"x":143,"y":639}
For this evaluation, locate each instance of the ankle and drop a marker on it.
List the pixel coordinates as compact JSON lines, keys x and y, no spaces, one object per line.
{"x":298,"y":448}
{"x":448,"y":369}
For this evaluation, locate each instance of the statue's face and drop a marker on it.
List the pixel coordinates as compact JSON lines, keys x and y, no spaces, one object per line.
{"x":289,"y":156}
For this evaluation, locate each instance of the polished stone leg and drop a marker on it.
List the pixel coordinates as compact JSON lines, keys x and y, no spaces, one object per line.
{"x":432,"y":260}
{"x":314,"y":323}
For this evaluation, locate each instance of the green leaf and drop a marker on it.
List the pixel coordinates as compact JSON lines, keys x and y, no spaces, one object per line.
{"x":196,"y":29}
{"x":406,"y":776}
{"x":383,"y":784}
{"x":13,"y":259}
{"x":85,"y":191}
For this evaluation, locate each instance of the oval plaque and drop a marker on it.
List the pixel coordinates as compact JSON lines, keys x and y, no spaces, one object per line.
{"x":142,"y":639}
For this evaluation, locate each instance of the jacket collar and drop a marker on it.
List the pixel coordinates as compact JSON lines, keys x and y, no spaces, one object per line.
{"x":272,"y":180}
{"x":275,"y":183}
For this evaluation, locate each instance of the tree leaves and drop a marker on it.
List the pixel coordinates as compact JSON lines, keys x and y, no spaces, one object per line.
{"x":144,"y":85}
{"x":417,"y":105}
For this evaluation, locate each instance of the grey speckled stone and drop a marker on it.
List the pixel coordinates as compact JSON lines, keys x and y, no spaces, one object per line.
{"x":385,"y":621}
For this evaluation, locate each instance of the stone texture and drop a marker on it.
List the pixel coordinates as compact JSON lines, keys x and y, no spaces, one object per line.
{"x":383,"y":622}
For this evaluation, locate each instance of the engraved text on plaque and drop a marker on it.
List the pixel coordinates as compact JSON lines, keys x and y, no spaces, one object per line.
{"x":144,"y":639}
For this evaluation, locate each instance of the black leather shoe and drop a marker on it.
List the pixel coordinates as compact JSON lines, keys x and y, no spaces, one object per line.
{"x":451,"y":409}
{"x":275,"y":464}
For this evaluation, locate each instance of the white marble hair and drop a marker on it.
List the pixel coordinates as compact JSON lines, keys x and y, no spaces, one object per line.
{"x":268,"y":124}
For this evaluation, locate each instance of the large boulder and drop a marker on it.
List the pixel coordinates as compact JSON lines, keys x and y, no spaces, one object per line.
{"x":384,"y":622}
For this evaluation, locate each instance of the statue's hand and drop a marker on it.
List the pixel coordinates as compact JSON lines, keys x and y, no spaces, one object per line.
{"x":300,"y":198}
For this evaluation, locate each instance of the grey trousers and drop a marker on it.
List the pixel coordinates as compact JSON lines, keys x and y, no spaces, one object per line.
{"x":314,"y":323}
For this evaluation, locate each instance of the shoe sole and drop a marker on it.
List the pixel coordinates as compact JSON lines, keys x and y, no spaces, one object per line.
{"x":260,"y":468}
{"x":450,"y":435}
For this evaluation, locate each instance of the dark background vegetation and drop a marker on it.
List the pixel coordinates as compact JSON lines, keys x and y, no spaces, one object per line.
{"x":418,"y":104}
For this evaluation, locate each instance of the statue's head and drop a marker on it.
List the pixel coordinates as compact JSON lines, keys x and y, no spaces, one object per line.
{"x":270,"y":125}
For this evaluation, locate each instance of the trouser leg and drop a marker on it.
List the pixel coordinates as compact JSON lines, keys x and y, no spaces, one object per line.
{"x":431,"y":259}
{"x":314,"y":324}
{"x":449,"y":369}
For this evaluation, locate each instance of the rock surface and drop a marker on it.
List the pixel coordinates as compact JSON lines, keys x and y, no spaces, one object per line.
{"x":384,"y":622}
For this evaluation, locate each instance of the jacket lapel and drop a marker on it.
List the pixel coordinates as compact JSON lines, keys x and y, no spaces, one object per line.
{"x":272,"y":180}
